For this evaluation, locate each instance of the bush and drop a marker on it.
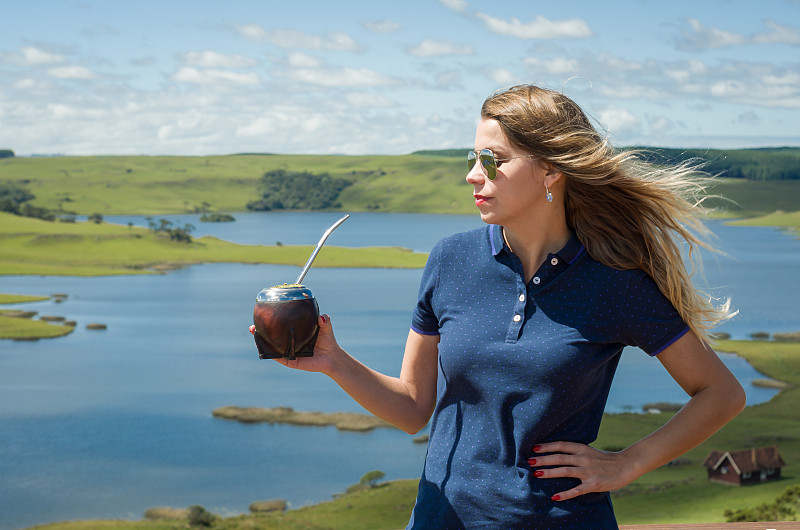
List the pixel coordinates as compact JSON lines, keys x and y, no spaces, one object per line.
{"x":96,"y":218}
{"x":6,"y":153}
{"x":783,"y":508}
{"x":217,"y":217}
{"x":199,"y":516}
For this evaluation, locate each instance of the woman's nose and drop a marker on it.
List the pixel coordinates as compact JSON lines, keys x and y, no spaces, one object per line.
{"x":476,"y":174}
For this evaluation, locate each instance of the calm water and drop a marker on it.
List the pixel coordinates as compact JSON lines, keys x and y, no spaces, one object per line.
{"x":103,"y":424}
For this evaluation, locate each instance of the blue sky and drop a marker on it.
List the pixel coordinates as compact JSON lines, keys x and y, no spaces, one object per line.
{"x":199,"y":77}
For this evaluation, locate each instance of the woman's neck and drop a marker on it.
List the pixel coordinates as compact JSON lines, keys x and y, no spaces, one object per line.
{"x":531,"y":243}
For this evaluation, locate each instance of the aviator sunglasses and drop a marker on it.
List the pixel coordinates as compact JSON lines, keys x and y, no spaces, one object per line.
{"x":488,"y":161}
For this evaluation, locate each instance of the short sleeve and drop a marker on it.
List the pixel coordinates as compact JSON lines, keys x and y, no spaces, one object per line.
{"x":424,"y":320}
{"x":650,"y":321}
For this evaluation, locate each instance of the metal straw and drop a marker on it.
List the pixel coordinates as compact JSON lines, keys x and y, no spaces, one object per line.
{"x":319,"y":246}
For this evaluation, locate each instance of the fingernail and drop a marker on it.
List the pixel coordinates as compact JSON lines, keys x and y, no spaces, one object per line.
{"x":532,"y":461}
{"x":537,"y":448}
{"x":538,"y":473}
{"x":555,"y":497}
{"x":324,"y":319}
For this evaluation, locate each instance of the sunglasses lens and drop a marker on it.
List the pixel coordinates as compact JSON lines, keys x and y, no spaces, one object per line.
{"x":487,"y":161}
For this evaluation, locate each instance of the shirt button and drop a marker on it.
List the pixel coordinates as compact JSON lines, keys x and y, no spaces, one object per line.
{"x":517,"y":318}
{"x":536,"y":280}
{"x":554,"y":261}
{"x":522,"y":298}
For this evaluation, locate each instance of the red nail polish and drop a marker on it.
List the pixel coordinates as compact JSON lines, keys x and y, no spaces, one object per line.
{"x":537,"y":448}
{"x":538,"y":473}
{"x":532,"y":461}
{"x":324,"y":319}
{"x":555,"y":497}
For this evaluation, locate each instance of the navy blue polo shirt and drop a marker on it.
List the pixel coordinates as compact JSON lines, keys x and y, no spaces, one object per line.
{"x":521,"y":364}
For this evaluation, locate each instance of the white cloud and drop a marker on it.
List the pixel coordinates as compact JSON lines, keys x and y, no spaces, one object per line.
{"x":25,"y":84}
{"x":538,"y":28}
{"x":434,"y":48}
{"x":780,"y":34}
{"x":34,"y":56}
{"x":556,"y":65}
{"x":705,"y":38}
{"x":660,"y":124}
{"x":294,"y":39}
{"x":196,"y":76}
{"x":252,"y":32}
{"x":381,"y":26}
{"x":618,"y":121}
{"x":699,"y":37}
{"x":340,"y":77}
{"x":71,"y":72}
{"x":502,"y":77}
{"x":302,"y":60}
{"x":456,"y":5}
{"x":369,"y":100}
{"x":212,"y":59}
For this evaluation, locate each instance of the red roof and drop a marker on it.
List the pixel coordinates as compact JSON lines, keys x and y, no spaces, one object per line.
{"x":747,"y":461}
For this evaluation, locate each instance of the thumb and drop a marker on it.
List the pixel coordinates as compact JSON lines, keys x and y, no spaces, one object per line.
{"x":324,"y":322}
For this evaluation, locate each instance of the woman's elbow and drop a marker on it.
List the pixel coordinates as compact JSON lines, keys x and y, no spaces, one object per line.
{"x":414,"y":425}
{"x":737,"y":398}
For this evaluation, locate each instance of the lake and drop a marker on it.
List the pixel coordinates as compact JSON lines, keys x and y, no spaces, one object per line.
{"x":105,"y":424}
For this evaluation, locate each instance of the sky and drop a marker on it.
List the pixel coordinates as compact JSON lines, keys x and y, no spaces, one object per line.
{"x":198,"y":77}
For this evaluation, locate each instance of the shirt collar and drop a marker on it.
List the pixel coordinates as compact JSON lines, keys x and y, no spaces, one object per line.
{"x":571,"y":251}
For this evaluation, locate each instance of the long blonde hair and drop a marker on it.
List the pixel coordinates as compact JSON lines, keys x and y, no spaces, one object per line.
{"x":627,"y":213}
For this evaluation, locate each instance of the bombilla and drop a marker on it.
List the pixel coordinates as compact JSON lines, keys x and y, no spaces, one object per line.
{"x":319,"y":246}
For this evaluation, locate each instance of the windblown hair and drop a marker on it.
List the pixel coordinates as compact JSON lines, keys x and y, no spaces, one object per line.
{"x":629,"y":214}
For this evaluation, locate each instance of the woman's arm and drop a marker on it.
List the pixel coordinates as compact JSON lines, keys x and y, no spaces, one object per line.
{"x":716,"y":397}
{"x":406,"y":401}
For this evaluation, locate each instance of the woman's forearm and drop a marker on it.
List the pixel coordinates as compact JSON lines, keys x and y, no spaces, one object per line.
{"x":384,"y":396}
{"x":705,"y":413}
{"x":406,"y":401}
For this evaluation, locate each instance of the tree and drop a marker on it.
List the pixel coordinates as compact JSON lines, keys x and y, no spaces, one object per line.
{"x":371,"y":478}
{"x":783,"y":508}
{"x":96,"y":218}
{"x":298,"y":190}
{"x":6,"y":153}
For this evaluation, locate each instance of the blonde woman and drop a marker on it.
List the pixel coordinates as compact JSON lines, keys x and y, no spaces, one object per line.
{"x":519,"y":327}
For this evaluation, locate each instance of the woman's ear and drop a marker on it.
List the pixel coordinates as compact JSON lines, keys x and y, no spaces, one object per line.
{"x":551,"y":173}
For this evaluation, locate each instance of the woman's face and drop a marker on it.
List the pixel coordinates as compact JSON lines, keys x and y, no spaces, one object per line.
{"x":518,"y":187}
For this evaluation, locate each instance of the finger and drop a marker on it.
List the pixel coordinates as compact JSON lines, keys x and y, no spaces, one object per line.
{"x":558,"y":447}
{"x":577,"y":491}
{"x":557,"y":472}
{"x":557,"y":459}
{"x":253,"y":329}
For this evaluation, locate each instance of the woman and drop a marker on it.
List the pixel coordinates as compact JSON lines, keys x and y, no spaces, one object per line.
{"x":519,"y":327}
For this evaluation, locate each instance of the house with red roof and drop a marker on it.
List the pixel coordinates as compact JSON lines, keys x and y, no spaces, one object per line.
{"x":751,"y":466}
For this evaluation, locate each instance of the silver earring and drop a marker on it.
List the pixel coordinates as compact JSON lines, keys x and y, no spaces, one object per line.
{"x":548,"y":195}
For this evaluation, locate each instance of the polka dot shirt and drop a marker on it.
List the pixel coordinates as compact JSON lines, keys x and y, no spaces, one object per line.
{"x":519,"y":364}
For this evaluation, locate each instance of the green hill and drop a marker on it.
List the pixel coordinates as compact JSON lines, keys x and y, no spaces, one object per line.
{"x":426,"y":181}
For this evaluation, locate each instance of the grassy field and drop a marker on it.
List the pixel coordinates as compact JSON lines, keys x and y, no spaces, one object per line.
{"x":162,"y":185}
{"x":671,"y":494}
{"x":147,"y":185}
{"x":20,"y":328}
{"x":32,"y":246}
{"x":6,"y":298}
